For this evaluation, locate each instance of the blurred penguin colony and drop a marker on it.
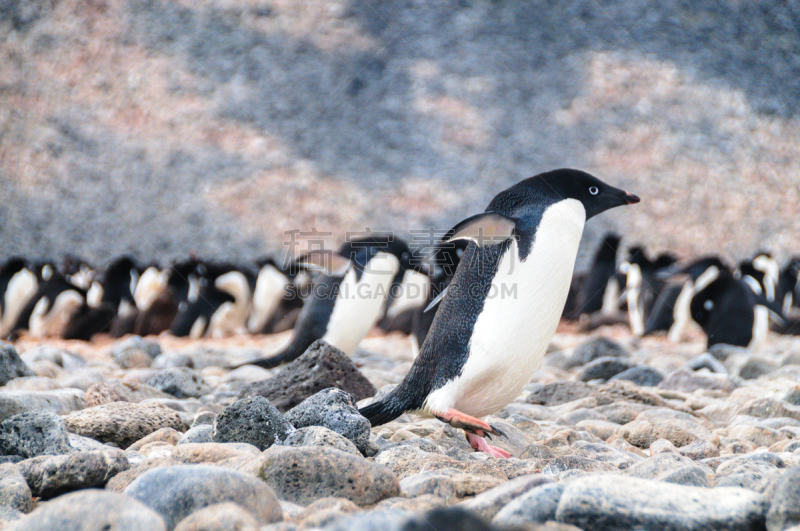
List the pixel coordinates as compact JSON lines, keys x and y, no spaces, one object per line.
{"x":199,"y":298}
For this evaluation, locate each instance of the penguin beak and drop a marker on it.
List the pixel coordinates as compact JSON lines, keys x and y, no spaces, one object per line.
{"x":630,"y":198}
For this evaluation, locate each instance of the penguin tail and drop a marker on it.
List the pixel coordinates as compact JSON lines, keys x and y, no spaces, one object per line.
{"x":382,"y":412}
{"x":264,"y":363}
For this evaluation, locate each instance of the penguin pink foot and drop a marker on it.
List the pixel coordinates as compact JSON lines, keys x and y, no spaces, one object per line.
{"x":479,"y":445}
{"x":468,"y":423}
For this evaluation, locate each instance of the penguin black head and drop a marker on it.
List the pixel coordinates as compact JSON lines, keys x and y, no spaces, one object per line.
{"x":360,"y":250}
{"x":595,"y":195}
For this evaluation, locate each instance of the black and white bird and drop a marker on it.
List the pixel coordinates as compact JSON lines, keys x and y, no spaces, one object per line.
{"x":671,"y":312}
{"x":348,"y":296}
{"x":18,"y":283}
{"x":643,"y":282}
{"x":600,"y":289}
{"x":48,"y":312}
{"x":730,"y":312}
{"x":503,"y":305}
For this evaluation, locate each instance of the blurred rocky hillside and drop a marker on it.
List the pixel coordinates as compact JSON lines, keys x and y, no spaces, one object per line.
{"x":161,"y":127}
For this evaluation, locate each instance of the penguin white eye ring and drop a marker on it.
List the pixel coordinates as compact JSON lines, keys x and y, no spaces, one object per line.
{"x":594,"y":190}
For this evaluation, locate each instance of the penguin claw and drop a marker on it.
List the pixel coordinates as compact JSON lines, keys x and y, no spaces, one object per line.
{"x":468,"y":423}
{"x":496,"y":431}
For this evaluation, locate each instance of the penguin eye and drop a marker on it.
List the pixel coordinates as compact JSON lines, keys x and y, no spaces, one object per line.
{"x":708,"y":305}
{"x":594,"y":190}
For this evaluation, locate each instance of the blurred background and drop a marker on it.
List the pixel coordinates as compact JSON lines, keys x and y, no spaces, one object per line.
{"x":162,"y":127}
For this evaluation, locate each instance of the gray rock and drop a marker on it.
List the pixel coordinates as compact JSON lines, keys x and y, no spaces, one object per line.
{"x":433,"y":483}
{"x":11,"y":365}
{"x":722,"y":352}
{"x":169,"y":360}
{"x":32,"y":383}
{"x":122,"y":423}
{"x":82,"y":378}
{"x":320,"y":367}
{"x":379,"y":520}
{"x":613,"y":502}
{"x":34,"y":434}
{"x":152,"y":348}
{"x":489,"y":502}
{"x":690,"y":475}
{"x":556,"y":393}
{"x":83,"y":444}
{"x":320,"y":436}
{"x":658,"y":465}
{"x":14,"y":490}
{"x":204,"y":417}
{"x":198,"y":434}
{"x":252,"y":420}
{"x":305,"y":474}
{"x":59,"y":401}
{"x":785,"y":509}
{"x":604,"y":368}
{"x":536,"y":506}
{"x":688,"y":381}
{"x":220,"y":517}
{"x":641,"y":375}
{"x":336,"y":410}
{"x":706,"y":361}
{"x":180,"y":382}
{"x":51,"y":475}
{"x":447,"y":518}
{"x":9,"y":515}
{"x":91,"y":510}
{"x":599,"y":347}
{"x":178,"y":491}
{"x":764,"y":408}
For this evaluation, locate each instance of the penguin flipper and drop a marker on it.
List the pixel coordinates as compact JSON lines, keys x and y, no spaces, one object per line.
{"x":488,"y":228}
{"x":330,"y":263}
{"x":435,"y":301}
{"x":382,"y":412}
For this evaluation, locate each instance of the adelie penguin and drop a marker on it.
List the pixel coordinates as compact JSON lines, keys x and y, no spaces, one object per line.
{"x":483,"y":348}
{"x":348,"y":297}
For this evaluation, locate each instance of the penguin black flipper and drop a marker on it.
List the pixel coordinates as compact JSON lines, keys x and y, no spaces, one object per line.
{"x":311,"y":325}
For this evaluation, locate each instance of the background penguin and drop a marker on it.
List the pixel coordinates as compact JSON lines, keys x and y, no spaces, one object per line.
{"x":600,"y":289}
{"x":109,"y":306}
{"x":643,"y":284}
{"x":789,"y":289}
{"x":482,"y":350}
{"x":729,"y":312}
{"x":199,"y":301}
{"x":18,"y":283}
{"x":444,"y":262}
{"x":671,"y":312}
{"x":272,"y":285}
{"x":49,"y":311}
{"x":348,"y":296}
{"x":408,"y":293}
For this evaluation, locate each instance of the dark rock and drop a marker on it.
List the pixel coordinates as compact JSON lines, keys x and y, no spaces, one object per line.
{"x":180,"y":382}
{"x":14,"y":490}
{"x":320,"y":436}
{"x":536,"y":506}
{"x":447,"y":519}
{"x":751,"y":367}
{"x":617,"y":390}
{"x":604,"y":368}
{"x":335,"y":410}
{"x":785,"y":509}
{"x":122,"y":423}
{"x":220,"y":517}
{"x":641,"y":375}
{"x":176,"y":492}
{"x":304,"y":474}
{"x":252,"y":420}
{"x":59,"y":401}
{"x":51,"y":475}
{"x":556,"y":393}
{"x":33,"y":434}
{"x":91,"y":510}
{"x":599,"y":347}
{"x":11,"y":365}
{"x":320,"y":367}
{"x":722,"y":351}
{"x":612,"y":502}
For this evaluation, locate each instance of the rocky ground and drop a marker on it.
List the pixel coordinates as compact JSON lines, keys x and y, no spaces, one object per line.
{"x":613,"y":433}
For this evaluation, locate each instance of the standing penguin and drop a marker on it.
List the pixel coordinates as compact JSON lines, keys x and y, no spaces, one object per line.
{"x":483,"y":347}
{"x":600,"y":289}
{"x":348,"y":297}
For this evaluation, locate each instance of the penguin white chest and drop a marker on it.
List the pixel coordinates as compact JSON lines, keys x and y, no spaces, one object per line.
{"x":360,"y":301}
{"x":519,"y":317}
